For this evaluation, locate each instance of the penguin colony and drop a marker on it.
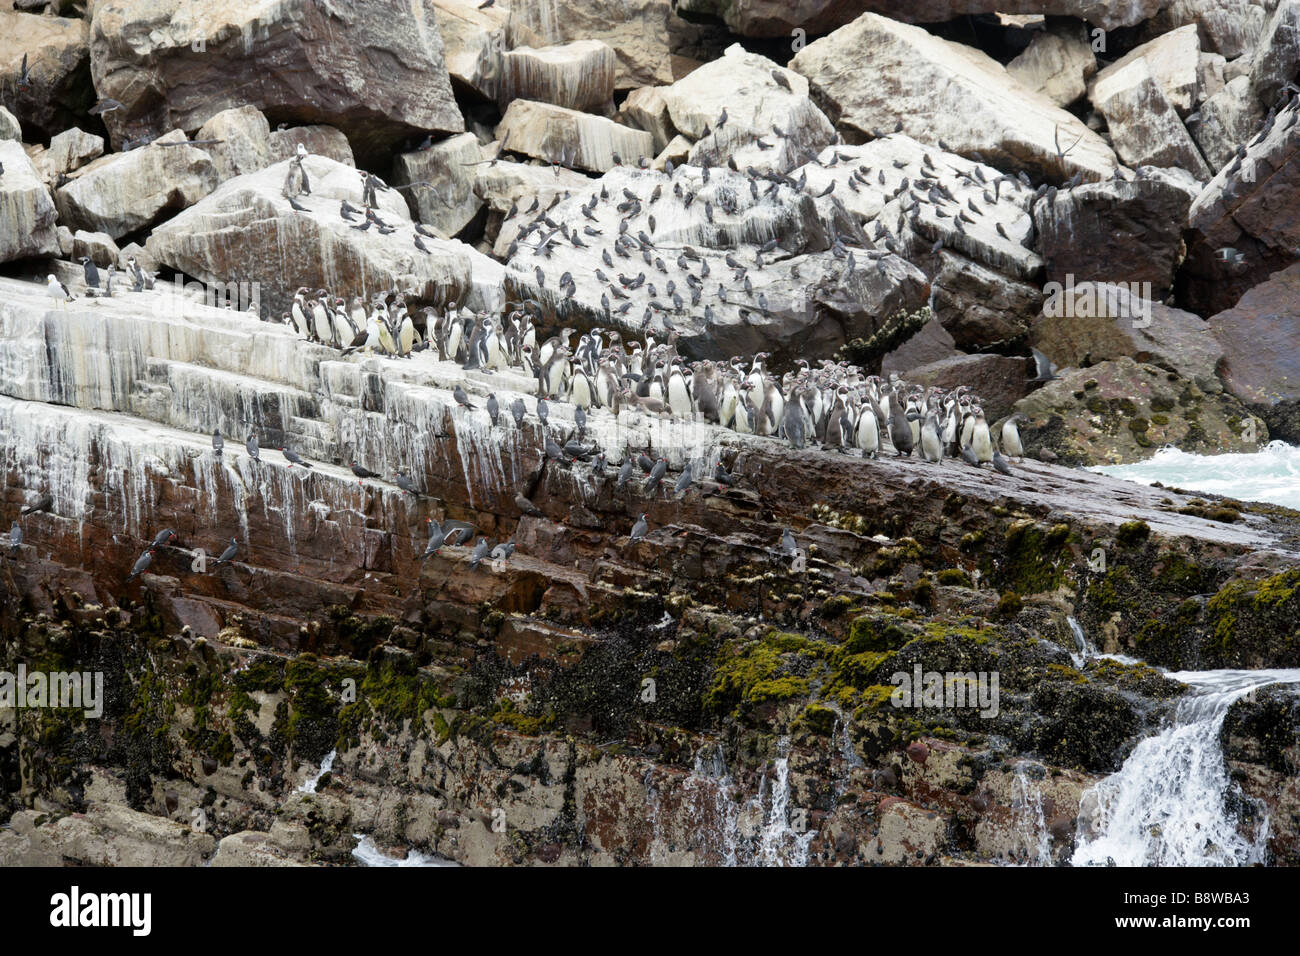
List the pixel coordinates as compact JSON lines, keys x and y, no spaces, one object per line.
{"x":834,"y":406}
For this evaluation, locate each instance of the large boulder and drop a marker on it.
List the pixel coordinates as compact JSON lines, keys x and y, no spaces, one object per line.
{"x":637,"y":30}
{"x":1091,"y":322}
{"x":876,"y":73}
{"x":10,"y":128}
{"x":1229,"y":118}
{"x":448,"y":201}
{"x":745,"y":86}
{"x":1173,"y":60}
{"x":125,"y":192}
{"x":807,"y":298}
{"x":982,"y":309}
{"x":25,"y":207}
{"x":645,"y":108}
{"x":1228,"y":27}
{"x":59,"y":63}
{"x":1245,"y":225}
{"x":781,"y":18}
{"x":521,"y":186}
{"x":1277,"y":56}
{"x":578,"y":75}
{"x":244,"y":146}
{"x":1118,"y":231}
{"x":570,"y":138}
{"x":999,"y":380}
{"x":1259,"y":337}
{"x":1144,"y":126}
{"x":473,"y":39}
{"x":178,"y":63}
{"x":71,"y":150}
{"x":1121,"y":411}
{"x":1057,"y":63}
{"x":317,"y":140}
{"x":247,"y":232}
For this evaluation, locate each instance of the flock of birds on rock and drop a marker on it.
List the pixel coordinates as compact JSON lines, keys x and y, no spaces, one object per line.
{"x":834,"y":405}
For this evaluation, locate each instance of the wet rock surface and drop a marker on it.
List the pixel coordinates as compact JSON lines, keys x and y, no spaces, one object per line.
{"x":1076,"y":213}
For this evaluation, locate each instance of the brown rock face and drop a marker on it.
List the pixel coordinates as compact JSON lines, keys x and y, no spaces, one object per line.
{"x":177,"y":63}
{"x":1259,"y":337}
{"x":1114,"y":232}
{"x":59,"y":65}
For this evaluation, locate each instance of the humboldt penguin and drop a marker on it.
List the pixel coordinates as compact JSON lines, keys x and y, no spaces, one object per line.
{"x":1010,"y":437}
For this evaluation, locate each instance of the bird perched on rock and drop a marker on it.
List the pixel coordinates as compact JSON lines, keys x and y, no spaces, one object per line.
{"x":360,"y":472}
{"x":436,"y":538}
{"x":526,"y":506}
{"x":1000,"y":464}
{"x":15,"y":538}
{"x":44,"y":503}
{"x":218,"y":443}
{"x":91,"y":273}
{"x":57,"y":290}
{"x":722,"y":476}
{"x":480,"y":552}
{"x":164,"y":538}
{"x":517,"y":411}
{"x":503,"y":551}
{"x":461,"y":398}
{"x":253,"y":451}
{"x":638,"y":530}
{"x":406,"y":484}
{"x":684,"y":480}
{"x":624,"y":473}
{"x":294,"y":458}
{"x":493,"y":409}
{"x":228,"y":555}
{"x":656,"y":475}
{"x":789,"y":547}
{"x":141,"y":565}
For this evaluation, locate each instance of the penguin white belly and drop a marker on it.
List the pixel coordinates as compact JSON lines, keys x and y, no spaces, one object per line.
{"x":1011,"y":443}
{"x":981,"y":443}
{"x":679,"y":398}
{"x":580,"y":391}
{"x":868,"y":433}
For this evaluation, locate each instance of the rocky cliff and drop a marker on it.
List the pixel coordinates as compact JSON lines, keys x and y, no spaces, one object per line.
{"x":1082,"y":212}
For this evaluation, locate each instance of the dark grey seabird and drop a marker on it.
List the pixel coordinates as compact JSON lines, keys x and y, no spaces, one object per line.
{"x":164,"y":538}
{"x":493,"y":409}
{"x":503,"y":551}
{"x":480,"y":552}
{"x":789,"y":547}
{"x":15,"y":538}
{"x":436,"y":538}
{"x":218,"y":443}
{"x":253,"y":451}
{"x":638,"y":530}
{"x":526,"y":506}
{"x":656,"y":475}
{"x":141,"y":565}
{"x":517,"y":410}
{"x":684,"y":480}
{"x":624,"y":473}
{"x":232,"y":549}
{"x":45,"y":503}
{"x":406,"y":484}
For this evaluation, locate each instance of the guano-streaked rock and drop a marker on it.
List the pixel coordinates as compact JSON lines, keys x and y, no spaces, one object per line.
{"x":25,"y":207}
{"x":1144,"y":126}
{"x":577,"y":75}
{"x":246,"y":232}
{"x":877,"y":72}
{"x":123,"y":193}
{"x":450,"y":167}
{"x":177,"y":63}
{"x":558,"y":135}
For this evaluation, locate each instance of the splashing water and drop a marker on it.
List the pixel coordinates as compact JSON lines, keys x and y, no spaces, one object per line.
{"x":368,"y":854}
{"x":780,"y":843}
{"x":1030,"y":824}
{"x":1167,"y":805}
{"x":326,"y":765}
{"x":1271,"y":474}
